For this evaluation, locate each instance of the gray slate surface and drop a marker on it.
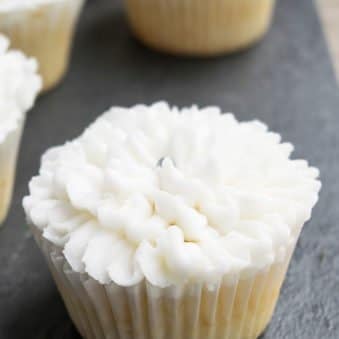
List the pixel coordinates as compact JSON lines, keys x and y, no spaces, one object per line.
{"x":287,"y":81}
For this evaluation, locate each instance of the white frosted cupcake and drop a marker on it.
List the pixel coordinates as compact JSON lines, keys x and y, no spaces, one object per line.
{"x":19,"y":85}
{"x":166,"y":223}
{"x":42,"y":29}
{"x":199,"y":27}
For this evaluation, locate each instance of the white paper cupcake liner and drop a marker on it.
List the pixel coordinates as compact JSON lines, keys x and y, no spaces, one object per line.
{"x":9,"y":148}
{"x":55,"y":20}
{"x":199,"y":27}
{"x":231,"y":309}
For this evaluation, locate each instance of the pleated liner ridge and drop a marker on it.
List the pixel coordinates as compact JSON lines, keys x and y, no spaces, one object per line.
{"x":199,"y":27}
{"x":8,"y":158}
{"x":227,"y":310}
{"x":57,"y":21}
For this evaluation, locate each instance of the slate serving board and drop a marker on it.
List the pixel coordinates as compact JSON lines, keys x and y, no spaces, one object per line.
{"x":287,"y":81}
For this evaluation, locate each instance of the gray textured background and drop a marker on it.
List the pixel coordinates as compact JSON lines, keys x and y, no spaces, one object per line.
{"x":287,"y":81}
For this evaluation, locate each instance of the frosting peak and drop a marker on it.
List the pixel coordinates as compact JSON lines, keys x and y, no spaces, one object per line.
{"x":172,"y":196}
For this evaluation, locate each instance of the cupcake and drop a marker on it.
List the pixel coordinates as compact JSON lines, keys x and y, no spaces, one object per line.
{"x":19,"y":85}
{"x":42,"y":29}
{"x":199,"y":28}
{"x":166,"y":223}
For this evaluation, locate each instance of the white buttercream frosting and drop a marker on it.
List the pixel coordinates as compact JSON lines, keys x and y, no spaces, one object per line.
{"x":173,"y":196}
{"x":19,"y":85}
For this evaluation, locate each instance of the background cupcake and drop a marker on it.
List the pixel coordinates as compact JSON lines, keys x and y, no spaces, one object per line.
{"x":160,"y":223}
{"x":196,"y":27}
{"x":19,"y":85}
{"x":42,"y":29}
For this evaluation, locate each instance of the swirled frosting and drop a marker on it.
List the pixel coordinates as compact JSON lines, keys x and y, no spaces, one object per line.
{"x":19,"y":85}
{"x":173,"y":196}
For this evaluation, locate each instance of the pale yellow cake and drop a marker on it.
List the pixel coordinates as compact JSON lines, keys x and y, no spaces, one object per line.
{"x":6,"y":186}
{"x":197,"y":27}
{"x":42,"y":29}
